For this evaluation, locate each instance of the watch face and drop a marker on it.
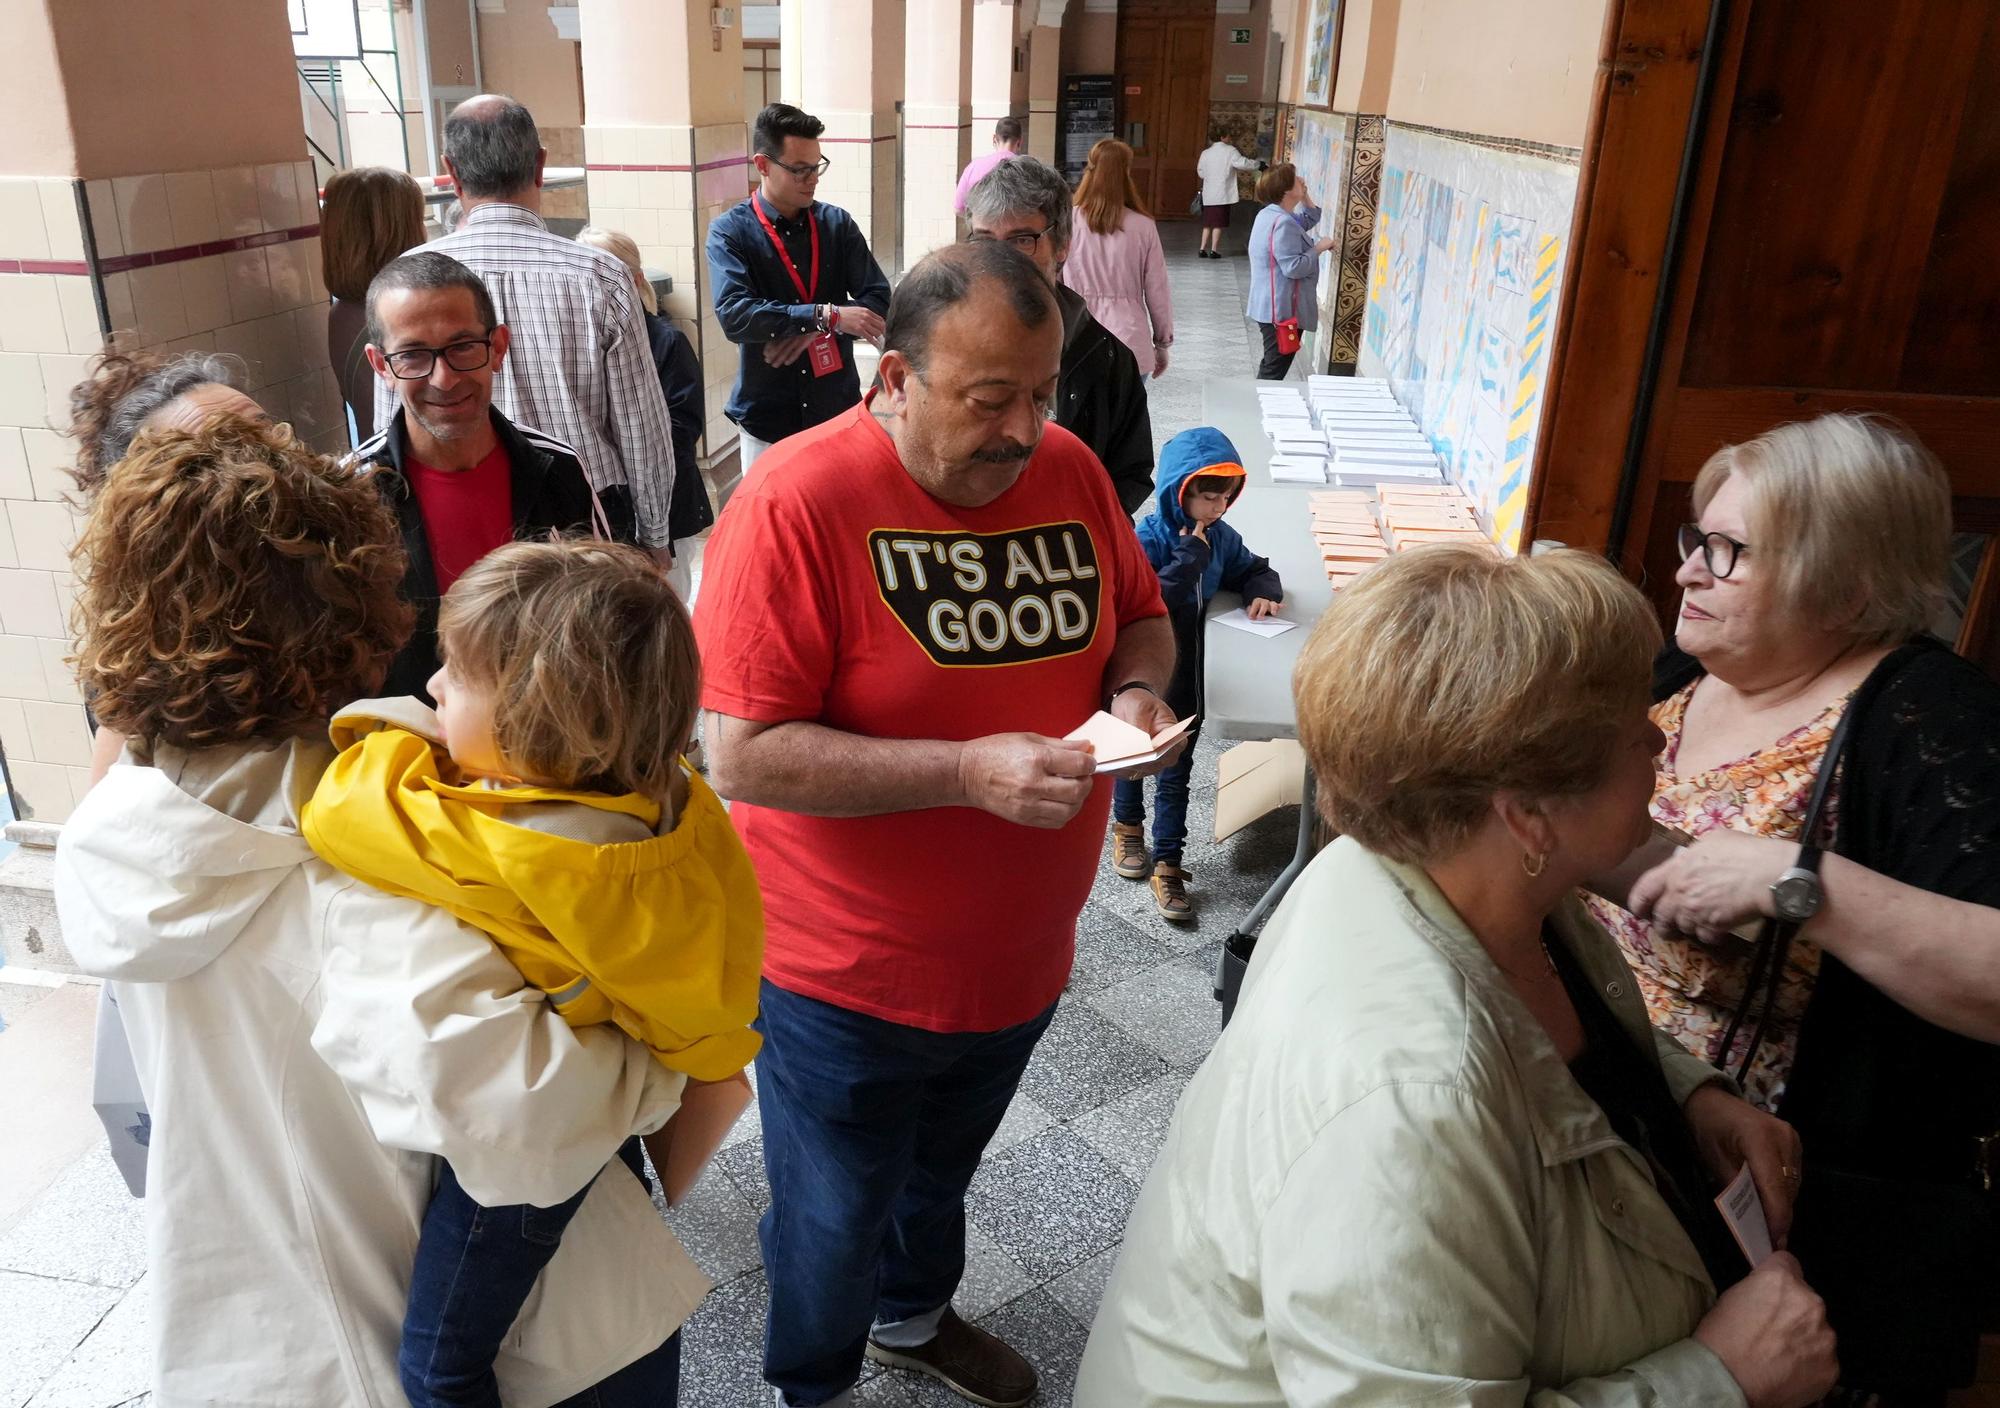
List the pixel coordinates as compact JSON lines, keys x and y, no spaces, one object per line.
{"x":1796,"y":896}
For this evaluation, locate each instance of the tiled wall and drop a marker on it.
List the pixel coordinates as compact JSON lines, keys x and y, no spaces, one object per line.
{"x":565,"y":148}
{"x":862,"y":179}
{"x":663,"y":186}
{"x":224,"y":260}
{"x":934,"y":143}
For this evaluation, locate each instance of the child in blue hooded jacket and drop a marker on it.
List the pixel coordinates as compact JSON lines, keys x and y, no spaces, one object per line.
{"x":1196,"y":555}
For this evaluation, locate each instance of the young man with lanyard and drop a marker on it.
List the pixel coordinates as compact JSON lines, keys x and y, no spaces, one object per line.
{"x":794,"y":286}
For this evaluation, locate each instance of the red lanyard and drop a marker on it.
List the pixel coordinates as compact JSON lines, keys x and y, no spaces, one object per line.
{"x":805,"y":294}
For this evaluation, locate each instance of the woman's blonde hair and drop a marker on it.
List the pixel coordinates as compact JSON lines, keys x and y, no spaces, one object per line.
{"x":1448,"y":675}
{"x":625,"y":249}
{"x":1273,"y":184}
{"x":1107,"y":189}
{"x":590,"y":658}
{"x":371,"y":215}
{"x":233,"y":585}
{"x":1849,"y":518}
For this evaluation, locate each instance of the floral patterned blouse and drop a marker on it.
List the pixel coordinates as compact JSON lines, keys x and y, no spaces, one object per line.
{"x":1693,"y":989}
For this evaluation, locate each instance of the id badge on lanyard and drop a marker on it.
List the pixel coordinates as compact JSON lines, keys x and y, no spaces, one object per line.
{"x":823,"y":352}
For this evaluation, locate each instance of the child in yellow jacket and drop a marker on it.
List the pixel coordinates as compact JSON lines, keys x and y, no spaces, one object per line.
{"x":545,"y":802}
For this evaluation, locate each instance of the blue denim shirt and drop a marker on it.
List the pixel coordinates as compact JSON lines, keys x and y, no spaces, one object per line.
{"x":756,"y":302}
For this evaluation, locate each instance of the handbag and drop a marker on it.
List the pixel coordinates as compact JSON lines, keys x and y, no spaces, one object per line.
{"x":1194,"y":206}
{"x":1286,"y":329}
{"x":1903,"y":1249}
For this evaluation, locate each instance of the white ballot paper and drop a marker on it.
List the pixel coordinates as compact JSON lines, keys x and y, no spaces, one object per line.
{"x":1120,"y":745}
{"x":1743,"y":1210}
{"x":1240,"y":619}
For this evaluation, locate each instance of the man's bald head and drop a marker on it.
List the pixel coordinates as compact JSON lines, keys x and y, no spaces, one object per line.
{"x":492,"y":147}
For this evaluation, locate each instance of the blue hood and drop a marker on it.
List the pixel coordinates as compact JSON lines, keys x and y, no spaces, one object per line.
{"x":1189,"y":453}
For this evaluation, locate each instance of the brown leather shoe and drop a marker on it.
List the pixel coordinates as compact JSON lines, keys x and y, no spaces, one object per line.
{"x":973,"y":1364}
{"x":1129,"y":856}
{"x":1170,"y":896}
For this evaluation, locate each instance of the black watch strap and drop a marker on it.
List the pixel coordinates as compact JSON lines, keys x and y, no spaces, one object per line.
{"x":1112,"y":698}
{"x":1808,"y":858}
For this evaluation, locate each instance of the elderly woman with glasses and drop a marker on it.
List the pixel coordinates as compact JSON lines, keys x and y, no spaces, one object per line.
{"x":1438,"y":1156}
{"x":1860,"y":999}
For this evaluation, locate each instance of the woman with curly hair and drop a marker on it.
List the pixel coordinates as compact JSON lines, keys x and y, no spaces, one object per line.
{"x":127,"y":392}
{"x":303,"y":1041}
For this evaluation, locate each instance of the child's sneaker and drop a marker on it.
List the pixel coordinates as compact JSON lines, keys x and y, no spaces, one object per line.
{"x":1170,"y":895}
{"x":1129,"y":856}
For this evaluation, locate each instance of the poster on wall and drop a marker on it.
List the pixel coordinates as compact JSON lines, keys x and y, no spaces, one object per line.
{"x":1089,"y":107}
{"x":1319,"y":151}
{"x":1319,"y":52}
{"x":1464,"y":271}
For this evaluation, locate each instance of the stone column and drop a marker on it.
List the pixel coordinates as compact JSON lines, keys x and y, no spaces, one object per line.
{"x":937,"y":122}
{"x":667,"y":151}
{"x":850,"y":76}
{"x":1044,"y":88}
{"x":995,"y":31}
{"x":156,"y":190}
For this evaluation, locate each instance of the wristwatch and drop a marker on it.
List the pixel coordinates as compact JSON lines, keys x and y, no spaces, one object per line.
{"x":1112,"y":698}
{"x":1796,"y":895}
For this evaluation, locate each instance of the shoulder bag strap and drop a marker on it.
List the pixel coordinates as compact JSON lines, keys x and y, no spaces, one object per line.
{"x":1774,"y":939}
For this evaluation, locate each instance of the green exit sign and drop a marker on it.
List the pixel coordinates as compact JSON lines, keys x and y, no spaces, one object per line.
{"x":1239,"y":36}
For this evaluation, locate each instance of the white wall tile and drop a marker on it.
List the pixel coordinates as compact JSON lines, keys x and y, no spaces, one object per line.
{"x":28,"y":604}
{"x":65,"y":585}
{"x":8,"y":557}
{"x":57,"y":733}
{"x":22,"y":399}
{"x":291,"y":279}
{"x":31,"y":317}
{"x":158,"y":310}
{"x":118,"y":302}
{"x":278,"y":338}
{"x":57,"y":673}
{"x":14,"y":732}
{"x":44,"y":789}
{"x":104,"y":228}
{"x":237,"y":210}
{"x":278,"y":195}
{"x":21,"y":668}
{"x":23,"y":235}
{"x":79,"y":313}
{"x":43,"y":533}
{"x":60,"y":372}
{"x":205,"y":293}
{"x":191,"y":204}
{"x":239,"y":340}
{"x":249,"y":278}
{"x":310,"y":323}
{"x":144,"y":217}
{"x":16,"y":482}
{"x":59,"y":216}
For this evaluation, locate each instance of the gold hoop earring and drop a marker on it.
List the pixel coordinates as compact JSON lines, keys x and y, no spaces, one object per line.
{"x":1536,"y":866}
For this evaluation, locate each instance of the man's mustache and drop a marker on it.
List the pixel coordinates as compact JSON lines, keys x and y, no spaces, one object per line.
{"x":1009,"y":455}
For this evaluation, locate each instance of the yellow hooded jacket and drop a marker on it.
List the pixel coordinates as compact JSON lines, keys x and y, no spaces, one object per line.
{"x":663,"y":936}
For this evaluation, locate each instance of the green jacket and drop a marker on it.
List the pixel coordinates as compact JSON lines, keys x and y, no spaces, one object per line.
{"x":1384,"y":1187}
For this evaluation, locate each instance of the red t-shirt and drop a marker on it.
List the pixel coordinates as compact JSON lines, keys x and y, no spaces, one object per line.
{"x":836,"y":590}
{"x":467,"y":512}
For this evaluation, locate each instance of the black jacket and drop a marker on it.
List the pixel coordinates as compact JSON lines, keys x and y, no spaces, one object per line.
{"x":1101,"y":400}
{"x":688,"y":513}
{"x":551,"y":495}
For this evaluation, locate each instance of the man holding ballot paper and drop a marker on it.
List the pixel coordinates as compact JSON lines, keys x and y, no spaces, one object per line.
{"x":903,"y":618}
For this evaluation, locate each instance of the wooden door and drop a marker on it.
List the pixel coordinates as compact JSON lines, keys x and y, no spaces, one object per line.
{"x":1163,"y":77}
{"x":1835,"y":252}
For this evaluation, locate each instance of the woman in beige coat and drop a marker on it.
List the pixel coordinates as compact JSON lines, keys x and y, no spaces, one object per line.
{"x":1438,"y":1156}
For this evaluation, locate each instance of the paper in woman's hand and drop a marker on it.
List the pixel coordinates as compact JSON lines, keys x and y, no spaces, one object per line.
{"x":1118,"y":745}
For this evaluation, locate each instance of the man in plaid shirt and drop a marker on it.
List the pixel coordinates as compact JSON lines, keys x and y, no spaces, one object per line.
{"x":581,"y":369}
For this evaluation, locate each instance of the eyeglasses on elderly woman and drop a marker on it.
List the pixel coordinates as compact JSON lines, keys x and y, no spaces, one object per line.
{"x":1719,"y":551}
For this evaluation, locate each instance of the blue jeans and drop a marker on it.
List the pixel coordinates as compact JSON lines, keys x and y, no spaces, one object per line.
{"x":1170,"y":804}
{"x":475,"y":1267}
{"x":872,"y":1132}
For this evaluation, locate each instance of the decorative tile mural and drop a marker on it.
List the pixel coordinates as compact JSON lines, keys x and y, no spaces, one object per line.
{"x":1464,"y":269}
{"x":1357,"y":235}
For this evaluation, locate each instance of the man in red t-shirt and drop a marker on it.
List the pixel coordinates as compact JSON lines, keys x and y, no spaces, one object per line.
{"x":900,"y":623}
{"x":463,"y":478}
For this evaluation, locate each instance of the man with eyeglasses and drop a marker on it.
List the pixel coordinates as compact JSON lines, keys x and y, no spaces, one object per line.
{"x":794,"y":286}
{"x":463,"y":478}
{"x":1102,"y":397}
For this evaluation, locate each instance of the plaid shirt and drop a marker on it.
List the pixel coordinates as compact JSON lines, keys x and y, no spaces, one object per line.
{"x":580,"y":367}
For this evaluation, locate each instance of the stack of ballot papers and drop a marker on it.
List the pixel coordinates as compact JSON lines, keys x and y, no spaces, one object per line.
{"x":1118,"y":745}
{"x":1413,"y":515}
{"x":1349,"y":539}
{"x":1370,"y":439}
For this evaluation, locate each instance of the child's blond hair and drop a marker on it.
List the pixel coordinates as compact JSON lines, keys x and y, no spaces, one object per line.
{"x":590,"y":657}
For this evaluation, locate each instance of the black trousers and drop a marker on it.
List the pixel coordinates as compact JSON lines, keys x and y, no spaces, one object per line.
{"x":1275,"y":364}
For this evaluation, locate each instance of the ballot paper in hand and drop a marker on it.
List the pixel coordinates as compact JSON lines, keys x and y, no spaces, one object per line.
{"x":1243,"y":621}
{"x":1119,"y":745}
{"x":1743,"y":1210}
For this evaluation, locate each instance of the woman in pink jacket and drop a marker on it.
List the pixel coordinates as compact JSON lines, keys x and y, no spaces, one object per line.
{"x":1115,"y":261}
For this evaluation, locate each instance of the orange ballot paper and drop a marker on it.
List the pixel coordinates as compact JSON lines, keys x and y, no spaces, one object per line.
{"x":1120,"y":745}
{"x":1743,"y":1210}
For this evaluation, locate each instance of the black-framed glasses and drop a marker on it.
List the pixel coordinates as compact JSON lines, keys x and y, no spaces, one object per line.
{"x":805,"y":170}
{"x":1023,"y":240}
{"x":1719,"y":551}
{"x":415,"y":363}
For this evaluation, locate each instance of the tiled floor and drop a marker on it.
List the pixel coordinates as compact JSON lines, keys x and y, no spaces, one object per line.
{"x":1048,"y":1207}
